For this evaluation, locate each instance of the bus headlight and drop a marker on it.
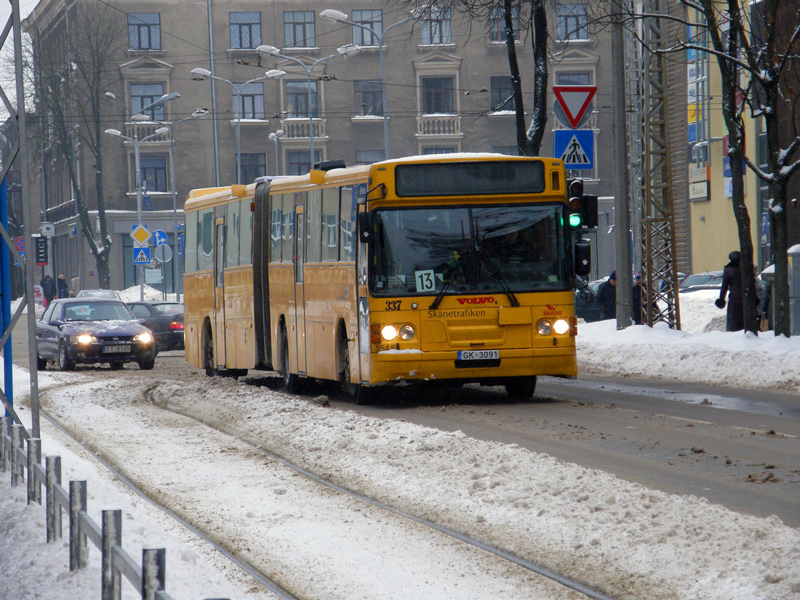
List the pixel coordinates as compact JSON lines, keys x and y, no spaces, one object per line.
{"x":544,"y":328}
{"x":561,"y":327}
{"x":407,"y":332}
{"x":389,"y":332}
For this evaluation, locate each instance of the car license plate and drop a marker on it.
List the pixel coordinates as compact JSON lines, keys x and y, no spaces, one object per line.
{"x":478,"y":354}
{"x":117,"y":349}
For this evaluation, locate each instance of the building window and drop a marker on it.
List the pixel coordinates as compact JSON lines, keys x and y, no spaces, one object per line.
{"x":144,"y":94}
{"x":497,"y":25}
{"x":438,"y":150}
{"x":297,"y":161}
{"x":502,"y":93}
{"x":144,"y":31}
{"x":367,"y":157}
{"x":507,"y":150}
{"x":436,"y":27}
{"x":298,"y":29}
{"x":368,"y":18}
{"x":368,"y":98}
{"x":300,"y":95}
{"x":249,"y":102}
{"x":253,"y":166}
{"x":154,"y":173}
{"x":572,"y":22}
{"x":245,"y":29}
{"x":574,"y":78}
{"x":437,"y":95}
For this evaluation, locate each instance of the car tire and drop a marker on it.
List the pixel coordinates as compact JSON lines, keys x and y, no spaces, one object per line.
{"x":41,"y":363}
{"x":64,"y":363}
{"x":147,"y":364}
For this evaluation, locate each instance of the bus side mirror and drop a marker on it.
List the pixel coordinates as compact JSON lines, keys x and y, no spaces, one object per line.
{"x":583,"y":257}
{"x":365,"y":226}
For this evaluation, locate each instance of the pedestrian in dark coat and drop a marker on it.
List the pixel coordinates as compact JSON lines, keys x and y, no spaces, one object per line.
{"x":48,"y":288}
{"x":732,"y":285}
{"x":63,"y":288}
{"x":637,"y":300}
{"x":607,"y":297}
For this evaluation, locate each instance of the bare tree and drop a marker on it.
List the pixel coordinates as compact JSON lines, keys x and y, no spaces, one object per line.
{"x":519,"y":17}
{"x":757,"y":55}
{"x":71,"y":69}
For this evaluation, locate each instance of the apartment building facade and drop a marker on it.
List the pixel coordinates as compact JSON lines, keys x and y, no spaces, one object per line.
{"x":446,"y":84}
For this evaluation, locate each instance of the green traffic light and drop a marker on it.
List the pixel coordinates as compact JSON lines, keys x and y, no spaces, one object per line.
{"x":574,"y":220}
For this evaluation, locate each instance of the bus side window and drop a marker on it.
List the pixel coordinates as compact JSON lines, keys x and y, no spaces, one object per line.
{"x":314,"y":226}
{"x":347,"y":218}
{"x":287,"y":235}
{"x":205,"y":240}
{"x":330,"y":227}
{"x":233,"y":231}
{"x":190,"y":243}
{"x":275,"y":227}
{"x":245,"y":233}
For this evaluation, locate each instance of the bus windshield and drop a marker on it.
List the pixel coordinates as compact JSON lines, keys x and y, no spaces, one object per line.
{"x":476,"y":249}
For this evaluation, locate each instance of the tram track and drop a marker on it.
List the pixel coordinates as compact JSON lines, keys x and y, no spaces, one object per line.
{"x":318,"y":479}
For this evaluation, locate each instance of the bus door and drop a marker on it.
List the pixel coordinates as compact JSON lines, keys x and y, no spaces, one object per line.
{"x":219,"y":293}
{"x":299,"y":292}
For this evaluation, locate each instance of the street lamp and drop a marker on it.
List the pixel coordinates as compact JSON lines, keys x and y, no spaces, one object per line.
{"x":237,"y":93}
{"x":275,"y":137}
{"x":346,"y":51}
{"x":200,"y":113}
{"x":136,"y":118}
{"x":136,"y":145}
{"x":335,"y":16}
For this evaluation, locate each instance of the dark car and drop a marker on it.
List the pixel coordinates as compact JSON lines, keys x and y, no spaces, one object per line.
{"x":92,"y":330}
{"x":164,"y":319}
{"x":702,"y":281}
{"x":587,"y":307}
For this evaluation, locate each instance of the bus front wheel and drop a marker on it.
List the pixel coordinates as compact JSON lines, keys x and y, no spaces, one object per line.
{"x":521,"y":388}
{"x":290,"y":381}
{"x":208,"y":352}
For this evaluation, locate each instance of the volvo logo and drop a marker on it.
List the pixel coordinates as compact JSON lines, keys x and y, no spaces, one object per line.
{"x":483,"y":300}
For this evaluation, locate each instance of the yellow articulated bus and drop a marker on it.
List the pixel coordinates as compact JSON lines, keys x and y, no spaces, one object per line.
{"x":444,"y":269}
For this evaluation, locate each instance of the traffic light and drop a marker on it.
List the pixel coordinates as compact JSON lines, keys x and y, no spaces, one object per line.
{"x":581,"y":208}
{"x":575,"y":204}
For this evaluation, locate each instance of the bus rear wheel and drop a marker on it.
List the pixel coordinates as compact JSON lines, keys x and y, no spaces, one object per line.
{"x":521,"y":388}
{"x":208,"y":352}
{"x":290,"y":381}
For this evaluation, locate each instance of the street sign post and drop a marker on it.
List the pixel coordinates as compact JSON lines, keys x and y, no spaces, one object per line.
{"x":141,"y":236}
{"x":159,"y":237}
{"x":141,"y":256}
{"x":163,"y":253}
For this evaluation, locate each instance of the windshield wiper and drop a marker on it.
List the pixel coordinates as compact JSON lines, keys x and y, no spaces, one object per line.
{"x":503,"y":283}
{"x":440,"y":296}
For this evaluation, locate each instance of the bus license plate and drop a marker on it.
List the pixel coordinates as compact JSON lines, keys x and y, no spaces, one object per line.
{"x":117,"y":349}
{"x":478,"y":354}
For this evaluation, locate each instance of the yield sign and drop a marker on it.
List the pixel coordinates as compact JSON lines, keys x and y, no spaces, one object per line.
{"x":574,"y":99}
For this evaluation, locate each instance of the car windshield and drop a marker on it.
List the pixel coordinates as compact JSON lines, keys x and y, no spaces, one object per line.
{"x":97,"y":311}
{"x":518,"y":247}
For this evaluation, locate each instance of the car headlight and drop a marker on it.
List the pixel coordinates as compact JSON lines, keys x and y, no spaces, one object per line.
{"x":389,"y":332}
{"x":407,"y":332}
{"x":561,"y":327}
{"x":544,"y":327}
{"x":143,"y":338}
{"x":83,"y":338}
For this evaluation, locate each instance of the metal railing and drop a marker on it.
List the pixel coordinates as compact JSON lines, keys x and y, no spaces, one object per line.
{"x":148,"y":578}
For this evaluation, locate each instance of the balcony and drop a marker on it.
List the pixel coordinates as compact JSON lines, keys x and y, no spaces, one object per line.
{"x":298,"y":128}
{"x":145,"y":128}
{"x":439,"y":125}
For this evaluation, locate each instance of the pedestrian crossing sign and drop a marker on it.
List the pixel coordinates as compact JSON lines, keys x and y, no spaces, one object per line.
{"x":141,"y":256}
{"x":575,"y":147}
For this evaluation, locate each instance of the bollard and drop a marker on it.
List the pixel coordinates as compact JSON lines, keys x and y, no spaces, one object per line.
{"x":17,"y":474}
{"x":34,"y":458}
{"x":78,"y":549}
{"x":112,"y":536}
{"x":52,"y":507}
{"x":154,"y":571}
{"x":4,"y":422}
